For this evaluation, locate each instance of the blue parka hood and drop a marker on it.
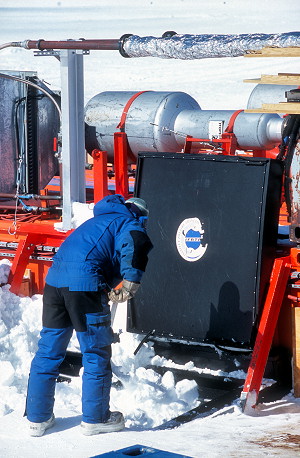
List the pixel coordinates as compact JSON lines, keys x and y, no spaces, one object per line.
{"x":112,"y":204}
{"x":115,"y":204}
{"x":111,"y":246}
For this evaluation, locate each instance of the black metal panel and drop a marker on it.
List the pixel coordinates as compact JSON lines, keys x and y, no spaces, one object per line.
{"x":211,"y":291}
{"x":19,"y":103}
{"x":48,"y":125}
{"x":32,"y":156}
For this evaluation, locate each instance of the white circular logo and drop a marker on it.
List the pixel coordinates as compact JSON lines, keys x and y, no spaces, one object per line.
{"x":189,"y":240}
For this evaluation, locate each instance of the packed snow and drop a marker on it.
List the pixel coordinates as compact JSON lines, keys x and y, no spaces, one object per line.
{"x":150,"y":398}
{"x":147,"y":399}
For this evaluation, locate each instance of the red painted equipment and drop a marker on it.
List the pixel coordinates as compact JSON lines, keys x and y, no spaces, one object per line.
{"x":31,"y":244}
{"x":266,"y":329}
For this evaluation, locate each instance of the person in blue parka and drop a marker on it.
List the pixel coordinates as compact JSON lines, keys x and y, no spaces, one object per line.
{"x":109,"y":248}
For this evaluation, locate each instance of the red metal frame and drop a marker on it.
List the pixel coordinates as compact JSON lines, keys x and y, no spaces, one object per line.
{"x":121,"y":149}
{"x":278,"y":283}
{"x":25,"y":248}
{"x":227,"y":141}
{"x":29,"y":236}
{"x":100,"y":175}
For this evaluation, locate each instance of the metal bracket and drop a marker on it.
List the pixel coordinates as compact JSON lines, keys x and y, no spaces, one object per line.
{"x":56,"y":54}
{"x":47,"y":53}
{"x":295,"y":275}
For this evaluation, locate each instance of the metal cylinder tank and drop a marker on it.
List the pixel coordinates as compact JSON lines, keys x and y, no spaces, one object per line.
{"x":267,"y":93}
{"x":252,"y":130}
{"x":161,"y":121}
{"x":149,"y":123}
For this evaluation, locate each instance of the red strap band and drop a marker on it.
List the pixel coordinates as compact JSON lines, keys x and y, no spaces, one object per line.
{"x":126,"y":108}
{"x":229,"y":128}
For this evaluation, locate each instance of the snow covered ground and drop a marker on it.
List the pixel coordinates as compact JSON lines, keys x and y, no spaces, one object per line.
{"x":148,"y":399}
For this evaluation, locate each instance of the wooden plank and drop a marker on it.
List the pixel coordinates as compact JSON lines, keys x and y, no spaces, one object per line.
{"x":296,"y":350}
{"x":26,"y":285}
{"x":274,"y":52}
{"x":282,"y":107}
{"x":281,"y":78}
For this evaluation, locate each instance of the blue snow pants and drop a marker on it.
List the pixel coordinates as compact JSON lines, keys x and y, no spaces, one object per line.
{"x":89,"y":314}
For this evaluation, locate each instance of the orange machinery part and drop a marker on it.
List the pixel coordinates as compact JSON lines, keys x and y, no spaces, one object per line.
{"x":28,"y":236}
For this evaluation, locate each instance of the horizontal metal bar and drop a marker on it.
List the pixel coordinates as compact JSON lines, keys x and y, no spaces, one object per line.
{"x":104,"y":44}
{"x":43,"y":248}
{"x":29,"y":196}
{"x":38,"y":258}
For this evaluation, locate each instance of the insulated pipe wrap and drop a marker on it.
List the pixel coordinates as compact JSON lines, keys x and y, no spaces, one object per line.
{"x":205,"y":46}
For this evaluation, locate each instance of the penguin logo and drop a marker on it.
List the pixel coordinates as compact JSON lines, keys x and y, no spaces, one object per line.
{"x":189,"y":240}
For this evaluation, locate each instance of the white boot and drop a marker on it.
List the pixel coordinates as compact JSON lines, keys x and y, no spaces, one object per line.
{"x":38,"y":429}
{"x":115,"y":423}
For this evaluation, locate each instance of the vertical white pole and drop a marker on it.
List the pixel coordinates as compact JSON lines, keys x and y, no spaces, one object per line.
{"x":73,"y":148}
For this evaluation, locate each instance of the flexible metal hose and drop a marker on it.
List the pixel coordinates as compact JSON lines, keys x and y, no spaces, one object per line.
{"x":12,"y":44}
{"x":36,"y":86}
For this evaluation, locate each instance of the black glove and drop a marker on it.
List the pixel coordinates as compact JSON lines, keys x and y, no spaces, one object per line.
{"x":127,"y":291}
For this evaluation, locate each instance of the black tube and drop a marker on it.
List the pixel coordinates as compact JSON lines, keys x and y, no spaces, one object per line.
{"x":121,"y":44}
{"x":169,"y":34}
{"x":30,"y":209}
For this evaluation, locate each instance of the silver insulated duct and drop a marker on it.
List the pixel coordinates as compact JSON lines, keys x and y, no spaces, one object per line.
{"x":173,"y":46}
{"x":161,"y":121}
